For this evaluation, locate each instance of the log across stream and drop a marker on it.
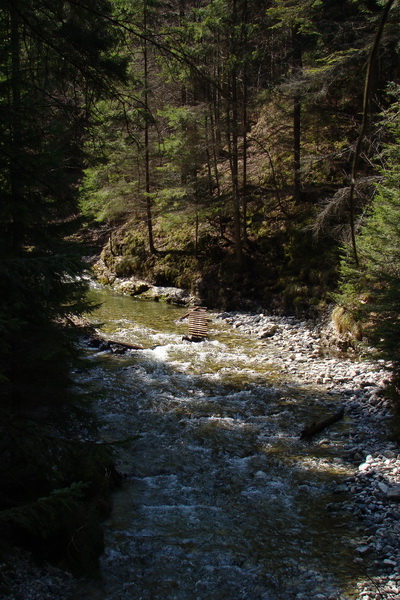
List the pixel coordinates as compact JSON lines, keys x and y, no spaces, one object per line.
{"x":221,"y":499}
{"x":316,"y":427}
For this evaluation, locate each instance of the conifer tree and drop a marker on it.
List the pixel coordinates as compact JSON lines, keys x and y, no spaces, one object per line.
{"x":370,"y":291}
{"x":56,"y":58}
{"x":54,"y":61}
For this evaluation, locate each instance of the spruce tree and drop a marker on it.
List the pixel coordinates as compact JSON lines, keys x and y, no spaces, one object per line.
{"x":371,"y":290}
{"x":54,"y":61}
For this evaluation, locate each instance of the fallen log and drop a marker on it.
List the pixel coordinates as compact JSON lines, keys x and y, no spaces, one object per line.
{"x":124,"y":345}
{"x":101,"y":343}
{"x":316,"y":427}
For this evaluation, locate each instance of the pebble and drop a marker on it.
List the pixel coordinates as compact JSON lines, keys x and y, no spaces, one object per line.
{"x":302,"y":350}
{"x":23,"y":579}
{"x":371,"y":492}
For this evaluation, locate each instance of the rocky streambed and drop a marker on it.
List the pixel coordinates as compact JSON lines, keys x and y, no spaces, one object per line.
{"x":370,"y":491}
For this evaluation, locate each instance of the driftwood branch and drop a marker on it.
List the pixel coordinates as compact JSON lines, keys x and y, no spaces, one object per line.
{"x":316,"y":427}
{"x":124,"y":345}
{"x":97,"y":341}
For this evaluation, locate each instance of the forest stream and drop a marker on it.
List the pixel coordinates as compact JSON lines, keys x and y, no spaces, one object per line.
{"x":221,"y":499}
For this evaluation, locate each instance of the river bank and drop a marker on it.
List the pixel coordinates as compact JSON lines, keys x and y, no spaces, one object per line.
{"x":370,"y":490}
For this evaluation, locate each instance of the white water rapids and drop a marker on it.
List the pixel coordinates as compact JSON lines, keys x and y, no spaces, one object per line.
{"x":221,"y":501}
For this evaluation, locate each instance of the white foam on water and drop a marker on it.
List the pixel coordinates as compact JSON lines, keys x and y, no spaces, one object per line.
{"x":211,"y":510}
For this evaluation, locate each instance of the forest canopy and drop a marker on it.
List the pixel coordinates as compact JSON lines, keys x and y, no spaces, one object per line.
{"x":229,"y":147}
{"x":244,"y":142}
{"x":228,"y":141}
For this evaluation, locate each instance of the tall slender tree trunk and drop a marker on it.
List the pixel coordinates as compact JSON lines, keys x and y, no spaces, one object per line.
{"x":297,"y":67}
{"x":233,"y":124}
{"x":149,"y":208}
{"x":215,"y":126}
{"x":196,"y":236}
{"x":234,"y":164}
{"x":244,"y":178}
{"x":208,"y":158}
{"x":15,"y":126}
{"x":182,"y":12}
{"x":297,"y":149}
{"x":245,"y":119}
{"x":215,"y":145}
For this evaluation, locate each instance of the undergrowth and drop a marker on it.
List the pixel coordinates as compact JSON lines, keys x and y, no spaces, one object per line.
{"x":284,"y":268}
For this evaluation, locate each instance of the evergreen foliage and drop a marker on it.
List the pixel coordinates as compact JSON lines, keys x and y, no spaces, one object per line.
{"x":46,"y":515}
{"x":371,"y":291}
{"x":56,"y":59}
{"x":238,"y":122}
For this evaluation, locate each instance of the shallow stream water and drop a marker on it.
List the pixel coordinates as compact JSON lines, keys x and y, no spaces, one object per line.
{"x":222,"y":500}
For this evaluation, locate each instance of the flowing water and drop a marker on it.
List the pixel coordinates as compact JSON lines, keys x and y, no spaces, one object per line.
{"x":221,"y":500}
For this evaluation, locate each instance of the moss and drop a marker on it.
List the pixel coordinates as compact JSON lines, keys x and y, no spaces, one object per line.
{"x":164,"y":274}
{"x":126,"y":266}
{"x":283,"y":265}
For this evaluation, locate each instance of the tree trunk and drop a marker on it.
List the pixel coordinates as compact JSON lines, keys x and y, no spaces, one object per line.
{"x":315,"y":428}
{"x":297,"y":67}
{"x":182,"y":12}
{"x":215,"y":144}
{"x":245,"y":119}
{"x":234,"y":164}
{"x":149,"y":208}
{"x":15,"y":127}
{"x":233,"y":118}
